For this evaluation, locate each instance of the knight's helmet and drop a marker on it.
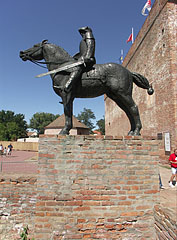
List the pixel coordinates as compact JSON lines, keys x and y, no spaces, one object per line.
{"x":87,"y":31}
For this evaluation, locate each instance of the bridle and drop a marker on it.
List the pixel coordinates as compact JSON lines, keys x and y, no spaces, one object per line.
{"x":39,"y":62}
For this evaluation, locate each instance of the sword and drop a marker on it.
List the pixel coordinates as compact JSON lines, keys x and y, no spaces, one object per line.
{"x":66,"y":67}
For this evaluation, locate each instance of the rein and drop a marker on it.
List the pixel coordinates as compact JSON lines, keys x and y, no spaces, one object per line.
{"x":39,"y":62}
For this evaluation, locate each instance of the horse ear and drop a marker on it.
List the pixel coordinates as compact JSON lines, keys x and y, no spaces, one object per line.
{"x":44,"y":41}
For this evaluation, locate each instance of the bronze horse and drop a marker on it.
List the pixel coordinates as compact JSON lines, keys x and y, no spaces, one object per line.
{"x":111,"y":79}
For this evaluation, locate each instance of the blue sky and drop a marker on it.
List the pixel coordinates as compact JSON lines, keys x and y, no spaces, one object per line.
{"x":24,"y":23}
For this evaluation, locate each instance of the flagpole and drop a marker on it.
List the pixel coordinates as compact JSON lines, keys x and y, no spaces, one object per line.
{"x":122,"y":55}
{"x":132,"y":36}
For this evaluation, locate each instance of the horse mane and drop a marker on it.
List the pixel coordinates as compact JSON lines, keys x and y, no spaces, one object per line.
{"x":60,"y":52}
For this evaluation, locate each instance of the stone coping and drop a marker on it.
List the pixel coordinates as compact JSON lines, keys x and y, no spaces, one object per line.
{"x":106,"y":137}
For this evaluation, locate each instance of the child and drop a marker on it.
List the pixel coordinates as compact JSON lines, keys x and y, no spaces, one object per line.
{"x":173,"y":161}
{"x":5,"y":151}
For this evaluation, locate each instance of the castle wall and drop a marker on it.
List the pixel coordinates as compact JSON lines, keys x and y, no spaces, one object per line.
{"x":18,"y":197}
{"x":153,"y":54}
{"x":22,"y":146}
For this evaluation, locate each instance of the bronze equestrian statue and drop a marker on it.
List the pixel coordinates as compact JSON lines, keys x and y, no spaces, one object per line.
{"x":79,"y":77}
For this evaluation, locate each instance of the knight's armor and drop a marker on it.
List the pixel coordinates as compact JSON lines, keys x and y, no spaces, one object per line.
{"x":87,"y":52}
{"x":87,"y":45}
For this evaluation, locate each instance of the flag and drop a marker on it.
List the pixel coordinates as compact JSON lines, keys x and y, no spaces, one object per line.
{"x":130,"y":37}
{"x":146,"y":6}
{"x":121,"y":56}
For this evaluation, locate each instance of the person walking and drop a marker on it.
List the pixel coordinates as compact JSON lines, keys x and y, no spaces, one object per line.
{"x":160,"y":183}
{"x":5,"y":152}
{"x":1,"y":149}
{"x":173,"y":162}
{"x":9,"y":150}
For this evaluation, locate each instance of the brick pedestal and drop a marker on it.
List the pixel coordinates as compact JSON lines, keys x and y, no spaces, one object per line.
{"x":96,"y":188}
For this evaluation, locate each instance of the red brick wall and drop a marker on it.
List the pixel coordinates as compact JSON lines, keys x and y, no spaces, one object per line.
{"x":17,"y":205}
{"x":153,"y":55}
{"x":87,"y":187}
{"x":96,"y":187}
{"x":165,"y":223}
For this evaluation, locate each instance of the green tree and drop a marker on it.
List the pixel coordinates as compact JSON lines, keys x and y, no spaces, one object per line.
{"x":3,"y":132}
{"x":101,"y":125}
{"x":40,"y":120}
{"x":86,"y":117}
{"x":12,"y":126}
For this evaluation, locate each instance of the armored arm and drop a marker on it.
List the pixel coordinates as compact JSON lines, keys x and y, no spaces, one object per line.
{"x":90,"y":41}
{"x":90,"y":53}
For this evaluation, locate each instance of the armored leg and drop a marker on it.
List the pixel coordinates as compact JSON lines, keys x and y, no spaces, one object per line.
{"x":74,"y":76}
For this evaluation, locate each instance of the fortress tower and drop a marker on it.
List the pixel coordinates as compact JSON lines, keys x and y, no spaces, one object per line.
{"x":153,"y":54}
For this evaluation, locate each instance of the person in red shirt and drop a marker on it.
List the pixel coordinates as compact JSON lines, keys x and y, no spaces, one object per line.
{"x":173,"y":161}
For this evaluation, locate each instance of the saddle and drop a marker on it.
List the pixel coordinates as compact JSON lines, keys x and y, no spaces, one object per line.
{"x":94,"y":73}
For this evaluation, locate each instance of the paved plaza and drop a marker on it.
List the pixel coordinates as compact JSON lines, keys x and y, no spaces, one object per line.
{"x":21,"y":162}
{"x":168,"y":196}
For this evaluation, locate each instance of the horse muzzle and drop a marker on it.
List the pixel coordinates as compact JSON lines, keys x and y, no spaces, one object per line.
{"x":24,"y":56}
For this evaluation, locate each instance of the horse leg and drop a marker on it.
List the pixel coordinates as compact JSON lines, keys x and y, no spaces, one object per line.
{"x":68,"y":111}
{"x":133,"y":112}
{"x":121,"y":104}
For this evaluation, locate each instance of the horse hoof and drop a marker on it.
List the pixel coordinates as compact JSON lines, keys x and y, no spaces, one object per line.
{"x":131,"y":133}
{"x":136,"y":133}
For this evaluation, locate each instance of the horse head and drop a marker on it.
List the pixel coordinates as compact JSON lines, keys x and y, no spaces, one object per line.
{"x":34,"y":53}
{"x":44,"y":50}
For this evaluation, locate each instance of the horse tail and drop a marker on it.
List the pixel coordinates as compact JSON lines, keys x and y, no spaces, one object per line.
{"x":142,"y":82}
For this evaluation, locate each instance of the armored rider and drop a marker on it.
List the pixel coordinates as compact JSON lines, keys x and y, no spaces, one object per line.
{"x":86,"y":52}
